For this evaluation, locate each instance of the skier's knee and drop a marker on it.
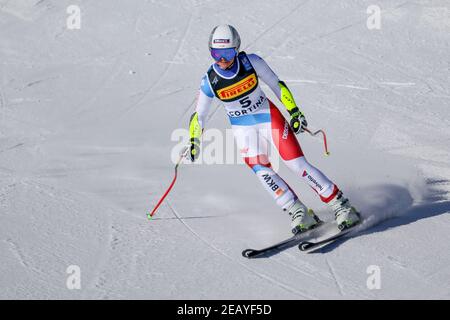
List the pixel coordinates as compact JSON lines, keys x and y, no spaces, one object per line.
{"x":258,"y":162}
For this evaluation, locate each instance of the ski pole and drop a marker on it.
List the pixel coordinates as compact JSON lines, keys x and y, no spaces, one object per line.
{"x":327,"y":153}
{"x":182,"y":155}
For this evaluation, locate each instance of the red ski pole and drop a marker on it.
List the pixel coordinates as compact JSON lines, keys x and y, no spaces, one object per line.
{"x":183,"y":154}
{"x":327,"y":153}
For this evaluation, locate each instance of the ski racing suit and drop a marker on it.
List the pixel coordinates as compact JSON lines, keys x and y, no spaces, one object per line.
{"x":256,"y":121}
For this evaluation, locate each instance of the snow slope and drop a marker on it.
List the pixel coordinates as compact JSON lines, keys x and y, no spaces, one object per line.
{"x":86,"y":118}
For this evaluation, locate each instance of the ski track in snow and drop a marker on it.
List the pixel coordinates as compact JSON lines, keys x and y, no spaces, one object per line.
{"x":275,"y":24}
{"x":99,"y":279}
{"x":167,"y":65}
{"x":335,"y":278}
{"x":15,"y":248}
{"x":116,"y":70}
{"x":316,"y":275}
{"x":258,"y":274}
{"x":2,"y":100}
{"x":12,"y":147}
{"x":349,"y":85}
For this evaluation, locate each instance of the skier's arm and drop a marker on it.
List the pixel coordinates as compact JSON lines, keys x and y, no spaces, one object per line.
{"x":198,"y":118}
{"x":266,"y":74}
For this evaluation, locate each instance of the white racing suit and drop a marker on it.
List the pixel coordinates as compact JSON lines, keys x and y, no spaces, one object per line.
{"x":256,"y":122}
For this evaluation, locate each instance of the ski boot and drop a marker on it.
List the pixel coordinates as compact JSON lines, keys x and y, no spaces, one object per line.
{"x":346,"y":216}
{"x":303,"y":219}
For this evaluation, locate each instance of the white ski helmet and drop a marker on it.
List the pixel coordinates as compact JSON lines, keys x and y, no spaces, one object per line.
{"x":224,"y":36}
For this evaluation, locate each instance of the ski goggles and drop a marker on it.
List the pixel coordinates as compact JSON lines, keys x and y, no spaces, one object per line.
{"x":227,"y":54}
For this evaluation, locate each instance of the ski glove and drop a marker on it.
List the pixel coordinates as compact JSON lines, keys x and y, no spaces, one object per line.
{"x":195,"y":131}
{"x":194,"y":149}
{"x":298,"y":122}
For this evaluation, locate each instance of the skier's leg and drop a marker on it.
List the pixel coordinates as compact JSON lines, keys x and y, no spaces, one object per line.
{"x":290,"y":151}
{"x":254,"y":150}
{"x":255,"y":154}
{"x":345,"y":214}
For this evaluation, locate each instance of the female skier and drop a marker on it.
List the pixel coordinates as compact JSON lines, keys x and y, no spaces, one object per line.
{"x":255,"y":120}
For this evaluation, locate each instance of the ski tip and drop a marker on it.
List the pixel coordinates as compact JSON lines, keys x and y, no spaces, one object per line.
{"x":305,"y":245}
{"x":149,"y":216}
{"x":249,"y":253}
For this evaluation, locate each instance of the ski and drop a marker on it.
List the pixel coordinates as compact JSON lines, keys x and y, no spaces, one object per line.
{"x":320,"y":229}
{"x":312,"y":245}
